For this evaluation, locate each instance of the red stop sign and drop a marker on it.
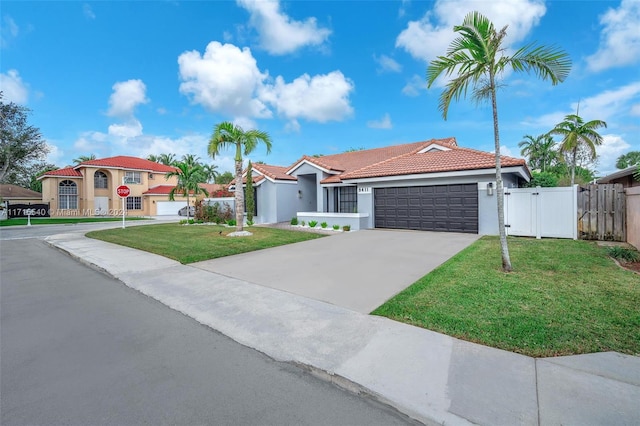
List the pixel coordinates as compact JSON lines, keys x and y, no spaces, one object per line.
{"x":123,"y":191}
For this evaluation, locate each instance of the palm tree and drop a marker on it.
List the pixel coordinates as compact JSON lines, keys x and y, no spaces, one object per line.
{"x":577,"y":134}
{"x":83,"y":158}
{"x":167,"y":159}
{"x":210,"y":172}
{"x":227,"y":135}
{"x":189,"y":178}
{"x":539,"y":150}
{"x":191,"y":159}
{"x":476,"y":58}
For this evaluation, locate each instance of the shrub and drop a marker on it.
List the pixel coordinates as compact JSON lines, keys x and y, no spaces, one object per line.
{"x":294,"y":221}
{"x":302,"y":222}
{"x":336,"y":227}
{"x":191,"y":221}
{"x":623,"y":254}
{"x":324,"y":225}
{"x":249,"y":222}
{"x":313,"y":223}
{"x":346,"y":228}
{"x":183,"y":222}
{"x":231,"y":222}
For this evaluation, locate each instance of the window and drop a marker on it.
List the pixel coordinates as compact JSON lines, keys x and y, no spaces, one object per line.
{"x":134,"y":203}
{"x":346,"y":199}
{"x":67,"y":195}
{"x":100,"y":180}
{"x":132,"y":177}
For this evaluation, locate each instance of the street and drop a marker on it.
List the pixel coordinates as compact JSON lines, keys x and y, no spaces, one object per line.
{"x":78,"y":347}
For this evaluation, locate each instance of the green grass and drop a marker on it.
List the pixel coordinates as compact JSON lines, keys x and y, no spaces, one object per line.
{"x":64,"y":220}
{"x":194,"y":243}
{"x":565,"y":297}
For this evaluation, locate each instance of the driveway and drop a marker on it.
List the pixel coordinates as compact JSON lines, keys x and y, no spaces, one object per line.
{"x":355,"y":270}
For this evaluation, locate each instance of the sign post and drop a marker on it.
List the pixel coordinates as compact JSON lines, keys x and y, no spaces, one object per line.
{"x":123,"y":192}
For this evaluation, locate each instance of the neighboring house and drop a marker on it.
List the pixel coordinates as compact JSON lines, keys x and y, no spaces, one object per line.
{"x":624,"y":177}
{"x":432,"y":185}
{"x":15,"y":194}
{"x":89,"y":188}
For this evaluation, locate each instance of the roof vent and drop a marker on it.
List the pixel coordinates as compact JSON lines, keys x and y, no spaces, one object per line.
{"x":434,"y":148}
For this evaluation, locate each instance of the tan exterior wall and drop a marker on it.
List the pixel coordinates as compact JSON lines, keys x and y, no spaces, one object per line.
{"x":633,"y":216}
{"x":87,"y":192}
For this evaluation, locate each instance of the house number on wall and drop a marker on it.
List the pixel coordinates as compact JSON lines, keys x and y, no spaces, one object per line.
{"x":364,"y":190}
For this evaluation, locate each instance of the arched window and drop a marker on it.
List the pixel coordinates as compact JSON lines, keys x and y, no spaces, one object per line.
{"x":67,"y":195}
{"x":100,"y":180}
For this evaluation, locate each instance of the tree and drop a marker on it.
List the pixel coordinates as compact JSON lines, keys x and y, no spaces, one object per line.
{"x":36,"y":171}
{"x":211,"y":173}
{"x":629,"y":159}
{"x":83,"y":158}
{"x":228,"y":135}
{"x":251,"y":202}
{"x":189,"y":178}
{"x":21,"y":145}
{"x":476,"y":58}
{"x":224,"y":178}
{"x":577,"y":134}
{"x":539,"y":150}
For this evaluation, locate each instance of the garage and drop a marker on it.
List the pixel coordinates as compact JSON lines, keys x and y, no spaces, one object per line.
{"x":448,"y":208}
{"x":164,"y":208}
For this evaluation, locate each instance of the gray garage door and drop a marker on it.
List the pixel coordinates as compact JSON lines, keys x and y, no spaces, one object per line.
{"x":452,"y":208}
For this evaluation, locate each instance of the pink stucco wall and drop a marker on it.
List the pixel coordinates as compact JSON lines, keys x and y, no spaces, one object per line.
{"x":633,"y":216}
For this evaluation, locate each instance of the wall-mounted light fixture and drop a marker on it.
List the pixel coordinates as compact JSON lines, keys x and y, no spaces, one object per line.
{"x":299,"y":193}
{"x":490,"y":189}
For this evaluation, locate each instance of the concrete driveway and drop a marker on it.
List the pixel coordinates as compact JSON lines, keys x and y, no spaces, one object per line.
{"x":355,"y":270}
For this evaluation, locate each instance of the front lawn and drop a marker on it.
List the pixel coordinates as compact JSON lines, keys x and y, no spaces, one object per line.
{"x":193,"y":243}
{"x":63,"y":220}
{"x":565,"y":297}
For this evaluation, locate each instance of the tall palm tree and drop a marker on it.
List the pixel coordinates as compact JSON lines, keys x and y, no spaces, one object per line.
{"x":167,"y":159}
{"x":577,"y":134}
{"x":189,"y":178}
{"x":154,"y":158}
{"x":210,"y":172}
{"x":83,"y":158}
{"x":191,"y":159}
{"x":476,"y":58}
{"x":228,"y":135}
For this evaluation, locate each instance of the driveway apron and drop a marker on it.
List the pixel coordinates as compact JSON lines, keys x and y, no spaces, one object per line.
{"x":355,"y":270}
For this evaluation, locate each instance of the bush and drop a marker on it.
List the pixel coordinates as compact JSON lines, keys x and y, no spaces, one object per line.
{"x":249,"y":222}
{"x":183,"y":222}
{"x":346,"y":228}
{"x":294,"y":221}
{"x":231,"y":222}
{"x":191,"y":221}
{"x":313,"y":223}
{"x":623,"y":254}
{"x":336,"y":227}
{"x":302,"y":222}
{"x":324,"y":225}
{"x":213,"y":212}
{"x":543,"y":179}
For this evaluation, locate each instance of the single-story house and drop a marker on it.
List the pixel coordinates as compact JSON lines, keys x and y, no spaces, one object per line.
{"x":624,"y":177}
{"x":15,"y":194}
{"x":431,"y":185}
{"x":89,"y":188}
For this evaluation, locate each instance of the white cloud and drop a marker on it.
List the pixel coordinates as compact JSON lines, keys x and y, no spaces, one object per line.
{"x":612,"y":147}
{"x":224,"y":79}
{"x":227,"y":80}
{"x":130,"y":129}
{"x":387,"y":64}
{"x":88,"y":12}
{"x":635,"y":110}
{"x":54,"y":153}
{"x":430,"y":36}
{"x":279,"y":34}
{"x":414,"y":86}
{"x":9,"y":31}
{"x":292,"y":126}
{"x":319,"y":98}
{"x":13,"y":88}
{"x":620,"y":38}
{"x":125,"y":97}
{"x":383,"y":123}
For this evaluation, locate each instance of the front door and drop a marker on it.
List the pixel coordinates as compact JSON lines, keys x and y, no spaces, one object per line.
{"x":101,"y":206}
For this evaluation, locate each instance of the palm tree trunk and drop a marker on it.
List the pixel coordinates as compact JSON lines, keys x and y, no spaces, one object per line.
{"x":504,"y":248}
{"x":573,"y":166}
{"x":239,"y":196}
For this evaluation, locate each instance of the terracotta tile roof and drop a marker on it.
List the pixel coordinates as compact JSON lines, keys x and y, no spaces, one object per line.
{"x":9,"y":191}
{"x":159,"y":190}
{"x":213,"y":187}
{"x":456,"y":159}
{"x":347,"y":162}
{"x":124,"y":162}
{"x":274,"y":172}
{"x":66,"y":172}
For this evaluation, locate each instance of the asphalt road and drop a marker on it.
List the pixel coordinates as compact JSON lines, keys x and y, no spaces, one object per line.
{"x":79,"y":348}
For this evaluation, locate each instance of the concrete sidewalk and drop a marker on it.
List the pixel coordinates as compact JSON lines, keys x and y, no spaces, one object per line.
{"x":429,"y":376}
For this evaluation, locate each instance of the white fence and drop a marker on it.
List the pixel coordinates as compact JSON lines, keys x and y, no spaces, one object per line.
{"x":542,"y":212}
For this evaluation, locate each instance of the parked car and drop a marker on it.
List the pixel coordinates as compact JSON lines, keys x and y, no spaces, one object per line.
{"x":190,"y":209}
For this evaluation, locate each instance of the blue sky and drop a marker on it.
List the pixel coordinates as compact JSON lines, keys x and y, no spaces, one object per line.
{"x":140,"y":78}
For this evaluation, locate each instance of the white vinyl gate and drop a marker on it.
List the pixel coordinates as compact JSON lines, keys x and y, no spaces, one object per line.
{"x":542,"y":212}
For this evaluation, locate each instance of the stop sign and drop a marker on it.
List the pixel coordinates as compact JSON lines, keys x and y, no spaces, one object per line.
{"x":123,"y":191}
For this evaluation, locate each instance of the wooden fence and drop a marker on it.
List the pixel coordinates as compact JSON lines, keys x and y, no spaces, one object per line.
{"x":601,"y":212}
